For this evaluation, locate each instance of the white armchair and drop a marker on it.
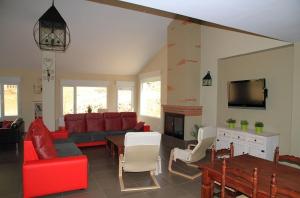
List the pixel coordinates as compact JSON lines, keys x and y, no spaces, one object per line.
{"x":141,"y":154}
{"x":206,"y":138}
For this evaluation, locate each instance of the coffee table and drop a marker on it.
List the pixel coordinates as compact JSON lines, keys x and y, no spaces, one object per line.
{"x":113,"y":141}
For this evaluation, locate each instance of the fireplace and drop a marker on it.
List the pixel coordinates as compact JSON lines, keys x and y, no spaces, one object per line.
{"x":174,"y":125}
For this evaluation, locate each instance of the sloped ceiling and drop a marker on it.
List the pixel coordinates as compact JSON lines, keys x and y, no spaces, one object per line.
{"x":279,"y":19}
{"x":104,"y":39}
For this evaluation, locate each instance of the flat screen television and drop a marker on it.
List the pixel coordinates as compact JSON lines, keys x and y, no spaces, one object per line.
{"x":247,"y":93}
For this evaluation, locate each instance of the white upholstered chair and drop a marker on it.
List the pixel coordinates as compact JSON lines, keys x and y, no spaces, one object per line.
{"x":141,"y":154}
{"x":206,"y":138}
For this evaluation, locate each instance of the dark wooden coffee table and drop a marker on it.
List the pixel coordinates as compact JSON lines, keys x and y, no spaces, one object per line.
{"x":113,"y":141}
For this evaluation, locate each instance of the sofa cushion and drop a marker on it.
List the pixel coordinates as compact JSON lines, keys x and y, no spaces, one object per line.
{"x":75,"y":123}
{"x":42,"y":140}
{"x":6,"y":124}
{"x":98,"y":135}
{"x":139,"y":126}
{"x":67,"y":149}
{"x":112,"y":121}
{"x":80,"y":137}
{"x":129,"y":120}
{"x":94,"y":122}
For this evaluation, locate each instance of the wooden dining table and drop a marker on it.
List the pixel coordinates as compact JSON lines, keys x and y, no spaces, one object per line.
{"x":287,"y":176}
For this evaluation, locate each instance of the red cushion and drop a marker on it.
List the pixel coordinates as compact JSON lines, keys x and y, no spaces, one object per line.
{"x":128,"y":123}
{"x":112,"y":121}
{"x":42,"y":140}
{"x":139,"y":126}
{"x":129,"y":120}
{"x":94,"y":122}
{"x":75,"y":123}
{"x":6,"y":124}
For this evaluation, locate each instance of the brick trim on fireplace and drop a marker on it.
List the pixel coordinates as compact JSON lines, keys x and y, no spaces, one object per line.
{"x":185,"y":110}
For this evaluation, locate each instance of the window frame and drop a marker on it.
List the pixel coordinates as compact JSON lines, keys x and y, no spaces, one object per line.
{"x":9,"y":81}
{"x":149,"y":78}
{"x":126,"y":85}
{"x":81,"y":83}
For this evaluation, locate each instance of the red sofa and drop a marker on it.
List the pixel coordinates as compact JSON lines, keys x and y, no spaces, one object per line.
{"x":55,"y":174}
{"x":90,"y":129}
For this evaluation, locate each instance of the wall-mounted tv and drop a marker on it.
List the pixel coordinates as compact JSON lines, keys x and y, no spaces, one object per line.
{"x":247,"y":93}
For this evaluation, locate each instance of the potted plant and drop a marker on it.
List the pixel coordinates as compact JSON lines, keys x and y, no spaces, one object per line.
{"x":89,"y":109}
{"x":194,"y":133}
{"x":244,"y":125}
{"x":231,"y":123}
{"x":259,"y":127}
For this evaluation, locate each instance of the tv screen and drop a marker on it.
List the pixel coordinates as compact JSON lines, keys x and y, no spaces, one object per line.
{"x":247,"y":93}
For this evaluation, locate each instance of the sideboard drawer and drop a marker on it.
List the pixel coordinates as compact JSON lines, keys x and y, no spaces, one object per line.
{"x":257,"y":140}
{"x":224,"y":133}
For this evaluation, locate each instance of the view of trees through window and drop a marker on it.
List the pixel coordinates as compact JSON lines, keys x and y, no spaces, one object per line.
{"x":125,"y":100}
{"x":10,"y":100}
{"x":95,"y":97}
{"x":150,"y":98}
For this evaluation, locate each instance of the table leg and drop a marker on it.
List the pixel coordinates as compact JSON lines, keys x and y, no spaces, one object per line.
{"x":112,"y":150}
{"x":206,"y":187}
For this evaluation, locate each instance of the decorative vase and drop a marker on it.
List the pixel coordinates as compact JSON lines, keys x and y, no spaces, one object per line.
{"x":258,"y":129}
{"x":244,"y":127}
{"x":231,"y":125}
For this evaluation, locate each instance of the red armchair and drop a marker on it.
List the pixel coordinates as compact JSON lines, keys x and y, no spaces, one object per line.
{"x":48,"y":176}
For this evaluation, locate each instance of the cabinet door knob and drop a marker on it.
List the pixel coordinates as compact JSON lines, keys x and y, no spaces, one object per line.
{"x":239,"y":137}
{"x":262,"y":151}
{"x":218,"y":140}
{"x":224,"y":134}
{"x":255,"y":140}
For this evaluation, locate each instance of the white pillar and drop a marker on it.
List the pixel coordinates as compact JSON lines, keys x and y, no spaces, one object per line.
{"x":48,"y":75}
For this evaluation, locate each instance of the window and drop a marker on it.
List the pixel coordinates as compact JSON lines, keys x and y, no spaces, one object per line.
{"x":150,"y":104}
{"x":125,"y":99}
{"x":9,"y":96}
{"x":77,"y":96}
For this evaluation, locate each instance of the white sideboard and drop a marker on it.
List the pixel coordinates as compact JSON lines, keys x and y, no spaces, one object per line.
{"x":260,"y":145}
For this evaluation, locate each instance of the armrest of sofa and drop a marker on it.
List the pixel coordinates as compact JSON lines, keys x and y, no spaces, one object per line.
{"x":42,"y":177}
{"x":146,"y":128}
{"x":60,"y":134}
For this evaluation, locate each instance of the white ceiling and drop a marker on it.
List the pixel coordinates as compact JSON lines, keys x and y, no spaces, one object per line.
{"x":278,"y":19}
{"x":105,"y":39}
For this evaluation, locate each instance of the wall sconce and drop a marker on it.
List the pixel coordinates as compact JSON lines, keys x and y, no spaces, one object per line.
{"x":207,"y":80}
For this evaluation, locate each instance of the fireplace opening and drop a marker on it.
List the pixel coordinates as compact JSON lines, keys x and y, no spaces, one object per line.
{"x":174,"y":125}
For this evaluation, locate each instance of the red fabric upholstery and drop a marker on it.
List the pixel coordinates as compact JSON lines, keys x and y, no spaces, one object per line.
{"x":48,"y":176}
{"x":129,"y":120}
{"x":112,"y":121}
{"x":6,"y":124}
{"x":43,"y":177}
{"x":42,"y":140}
{"x":60,"y":134}
{"x":139,"y":126}
{"x":146,"y":128}
{"x":94,"y":122}
{"x":75,"y":123}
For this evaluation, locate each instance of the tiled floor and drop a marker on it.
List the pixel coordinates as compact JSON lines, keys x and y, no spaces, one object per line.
{"x":103,"y":178}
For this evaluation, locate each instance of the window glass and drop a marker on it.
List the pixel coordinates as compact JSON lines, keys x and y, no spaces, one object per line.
{"x":68,"y":100}
{"x":150,"y":98}
{"x":125,"y":100}
{"x":95,"y":97}
{"x":10,"y":100}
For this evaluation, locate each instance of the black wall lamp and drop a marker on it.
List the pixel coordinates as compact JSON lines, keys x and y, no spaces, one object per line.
{"x":51,"y":31}
{"x":207,"y":80}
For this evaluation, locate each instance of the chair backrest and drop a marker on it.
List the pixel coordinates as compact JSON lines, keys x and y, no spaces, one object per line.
{"x":206,"y":137}
{"x":245,"y":177}
{"x":285,"y":158}
{"x":141,"y":151}
{"x":276,"y":190}
{"x":222,"y":153}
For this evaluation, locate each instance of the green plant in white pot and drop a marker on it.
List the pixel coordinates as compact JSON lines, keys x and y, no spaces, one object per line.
{"x":244,"y":125}
{"x":231,"y":123}
{"x":259,"y":127}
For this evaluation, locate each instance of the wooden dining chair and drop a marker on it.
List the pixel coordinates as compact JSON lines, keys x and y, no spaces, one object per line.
{"x":285,"y":158}
{"x":221,"y":153}
{"x":244,"y":177}
{"x":276,"y":190}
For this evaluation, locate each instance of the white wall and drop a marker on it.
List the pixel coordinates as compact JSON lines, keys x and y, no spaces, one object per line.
{"x":295,"y":128}
{"x":218,"y":43}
